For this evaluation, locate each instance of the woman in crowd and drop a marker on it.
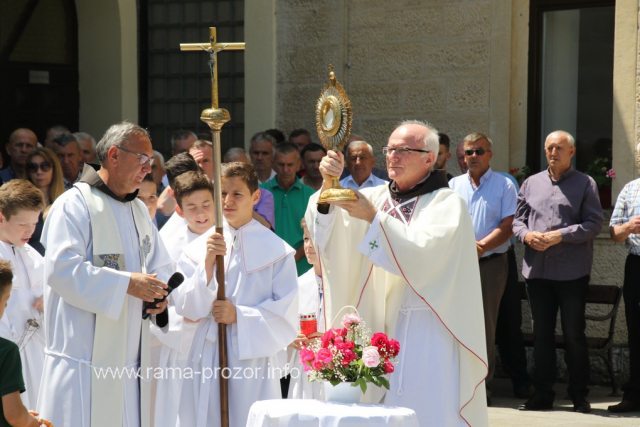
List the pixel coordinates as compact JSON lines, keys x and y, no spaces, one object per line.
{"x":45,"y":173}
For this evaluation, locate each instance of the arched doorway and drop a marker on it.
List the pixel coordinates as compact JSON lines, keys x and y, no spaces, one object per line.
{"x":38,"y":65}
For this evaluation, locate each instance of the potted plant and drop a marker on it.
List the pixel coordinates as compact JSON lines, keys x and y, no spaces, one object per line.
{"x":347,"y":359}
{"x":601,"y":172}
{"x":520,"y":174}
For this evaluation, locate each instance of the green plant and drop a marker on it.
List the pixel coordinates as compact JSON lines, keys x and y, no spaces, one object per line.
{"x":520,"y":174}
{"x":601,"y":172}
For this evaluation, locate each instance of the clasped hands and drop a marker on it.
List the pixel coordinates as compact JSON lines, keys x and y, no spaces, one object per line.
{"x":542,"y":241}
{"x":331,"y":166}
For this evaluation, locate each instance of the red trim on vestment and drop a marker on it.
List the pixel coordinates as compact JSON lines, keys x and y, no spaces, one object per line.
{"x":364,"y":286}
{"x":444,"y":324}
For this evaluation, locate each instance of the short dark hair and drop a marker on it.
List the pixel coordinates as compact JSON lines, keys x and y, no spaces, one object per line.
{"x":20,"y":195}
{"x":286,"y":148}
{"x":190,"y":182}
{"x":201,"y":143}
{"x":313,"y":147}
{"x":179,"y":164}
{"x":277,"y":134}
{"x":444,"y":140}
{"x":244,"y":171}
{"x":181,"y":134}
{"x":149,"y":178}
{"x":65,"y":139}
{"x":298,"y":132}
{"x":6,"y":275}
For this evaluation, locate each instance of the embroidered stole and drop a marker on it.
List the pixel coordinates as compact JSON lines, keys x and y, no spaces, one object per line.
{"x":401,"y":209}
{"x":109,"y":345}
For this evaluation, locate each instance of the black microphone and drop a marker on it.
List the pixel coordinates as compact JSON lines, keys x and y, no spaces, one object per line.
{"x":162,"y":319}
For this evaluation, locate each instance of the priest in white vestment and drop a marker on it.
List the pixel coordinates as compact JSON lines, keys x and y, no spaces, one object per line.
{"x":103,"y":253}
{"x":405,"y":255}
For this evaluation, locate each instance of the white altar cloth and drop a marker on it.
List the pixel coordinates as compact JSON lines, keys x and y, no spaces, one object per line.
{"x":317,"y":413}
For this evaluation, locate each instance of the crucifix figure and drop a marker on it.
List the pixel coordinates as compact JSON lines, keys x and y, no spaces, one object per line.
{"x":215,"y":117}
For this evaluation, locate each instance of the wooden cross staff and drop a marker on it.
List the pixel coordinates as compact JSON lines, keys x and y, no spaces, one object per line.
{"x":216,"y":117}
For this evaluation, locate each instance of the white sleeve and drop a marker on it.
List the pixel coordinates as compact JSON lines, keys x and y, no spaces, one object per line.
{"x":69,"y":271}
{"x":194,"y":298}
{"x":372,"y":247}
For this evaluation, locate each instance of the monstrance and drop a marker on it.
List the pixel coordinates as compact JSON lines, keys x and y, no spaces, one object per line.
{"x":333,"y":121}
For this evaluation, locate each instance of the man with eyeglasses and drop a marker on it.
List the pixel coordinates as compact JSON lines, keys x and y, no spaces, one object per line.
{"x":21,"y":143}
{"x":558,"y":217}
{"x":491,"y":200}
{"x":404,"y":254}
{"x":104,"y":259}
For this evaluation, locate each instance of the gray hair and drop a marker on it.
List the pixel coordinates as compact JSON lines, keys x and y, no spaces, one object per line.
{"x":179,"y":135}
{"x":118,"y":135}
{"x":476,"y":136}
{"x":159,"y":158}
{"x":263,"y":136}
{"x":355,"y":144}
{"x":431,"y":141}
{"x":234,"y":153}
{"x":83,"y":135}
{"x":570,"y":139}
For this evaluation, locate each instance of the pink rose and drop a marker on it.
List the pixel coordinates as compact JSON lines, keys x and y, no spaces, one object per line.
{"x":348,"y":345}
{"x":316,"y":364}
{"x":388,"y":367}
{"x":370,"y":356}
{"x":324,"y":355}
{"x":343,"y":332}
{"x":349,"y":320}
{"x":394,"y":348}
{"x":306,"y":355}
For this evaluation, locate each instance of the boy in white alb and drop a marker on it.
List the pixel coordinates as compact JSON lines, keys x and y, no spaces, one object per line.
{"x":20,"y":205}
{"x":260,"y":309}
{"x":194,"y":195}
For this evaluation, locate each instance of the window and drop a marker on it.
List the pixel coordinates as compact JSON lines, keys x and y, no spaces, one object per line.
{"x":571,"y":77}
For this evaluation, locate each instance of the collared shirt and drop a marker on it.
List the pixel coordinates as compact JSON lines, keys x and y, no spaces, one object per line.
{"x":290,"y":206}
{"x":265,"y":207}
{"x":371,"y":181}
{"x":67,"y":184}
{"x":491,"y":202}
{"x":271,"y":176}
{"x":570,"y":205}
{"x":627,"y":207}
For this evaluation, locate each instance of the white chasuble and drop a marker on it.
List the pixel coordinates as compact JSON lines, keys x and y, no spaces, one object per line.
{"x":413,"y":274}
{"x":261,"y":282}
{"x":22,"y":323}
{"x":97,"y":344}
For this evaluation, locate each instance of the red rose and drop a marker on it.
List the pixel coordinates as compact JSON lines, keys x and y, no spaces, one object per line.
{"x":381,"y":341}
{"x":388,"y":367}
{"x":394,"y":348}
{"x":347,"y":357}
{"x":349,"y":345}
{"x":343,"y":332}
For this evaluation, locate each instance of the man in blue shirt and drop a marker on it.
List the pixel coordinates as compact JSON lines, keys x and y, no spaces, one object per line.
{"x":360,"y":161}
{"x":491,"y":199}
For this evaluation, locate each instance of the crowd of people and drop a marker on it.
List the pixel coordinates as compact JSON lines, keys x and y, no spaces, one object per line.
{"x":93,"y":233}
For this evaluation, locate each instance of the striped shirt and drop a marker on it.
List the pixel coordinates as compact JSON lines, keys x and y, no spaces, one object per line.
{"x":627,"y":207}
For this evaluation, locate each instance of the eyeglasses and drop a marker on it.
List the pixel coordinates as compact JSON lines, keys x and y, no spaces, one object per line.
{"x":400,"y":151}
{"x":477,"y":151}
{"x":45,"y":166}
{"x":144,"y":159}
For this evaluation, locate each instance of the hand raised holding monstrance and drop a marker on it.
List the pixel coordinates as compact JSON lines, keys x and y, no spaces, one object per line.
{"x":333,"y":121}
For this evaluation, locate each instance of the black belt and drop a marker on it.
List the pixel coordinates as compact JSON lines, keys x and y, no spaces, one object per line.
{"x":495,"y":255}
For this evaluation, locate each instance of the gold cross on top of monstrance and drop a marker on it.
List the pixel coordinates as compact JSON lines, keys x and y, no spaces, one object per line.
{"x":215,"y":117}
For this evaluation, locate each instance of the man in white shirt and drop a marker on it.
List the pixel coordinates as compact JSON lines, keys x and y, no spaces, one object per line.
{"x":360,"y":161}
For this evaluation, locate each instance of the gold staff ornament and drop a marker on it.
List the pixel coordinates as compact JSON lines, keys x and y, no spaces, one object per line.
{"x":333,"y":121}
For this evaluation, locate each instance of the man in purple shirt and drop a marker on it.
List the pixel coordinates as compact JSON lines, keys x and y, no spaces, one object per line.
{"x":557,"y":217}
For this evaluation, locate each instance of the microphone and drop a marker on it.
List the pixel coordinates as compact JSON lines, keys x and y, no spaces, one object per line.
{"x":162,"y":319}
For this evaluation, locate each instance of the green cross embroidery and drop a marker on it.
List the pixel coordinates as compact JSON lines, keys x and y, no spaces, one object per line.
{"x":373,"y":244}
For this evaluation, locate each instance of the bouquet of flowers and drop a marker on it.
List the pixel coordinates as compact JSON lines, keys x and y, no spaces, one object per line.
{"x":349,"y":355}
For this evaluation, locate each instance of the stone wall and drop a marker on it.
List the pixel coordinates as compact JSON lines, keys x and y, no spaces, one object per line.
{"x":425,"y":60}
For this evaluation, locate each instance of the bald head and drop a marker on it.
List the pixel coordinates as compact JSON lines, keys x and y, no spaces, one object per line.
{"x":407,"y":168}
{"x":21,"y":143}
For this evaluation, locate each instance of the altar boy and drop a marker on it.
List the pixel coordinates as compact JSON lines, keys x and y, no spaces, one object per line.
{"x":193,"y":192}
{"x":20,"y":205}
{"x":260,"y":309}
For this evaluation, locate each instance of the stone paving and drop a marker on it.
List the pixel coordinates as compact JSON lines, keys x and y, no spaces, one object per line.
{"x":504,"y":410}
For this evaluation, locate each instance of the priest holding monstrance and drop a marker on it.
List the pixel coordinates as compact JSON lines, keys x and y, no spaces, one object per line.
{"x":405,"y":255}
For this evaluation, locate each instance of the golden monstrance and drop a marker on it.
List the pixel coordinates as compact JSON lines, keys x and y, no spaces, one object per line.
{"x":333,"y":121}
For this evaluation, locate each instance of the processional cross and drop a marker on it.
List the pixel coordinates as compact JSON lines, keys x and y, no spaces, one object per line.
{"x":215,"y":117}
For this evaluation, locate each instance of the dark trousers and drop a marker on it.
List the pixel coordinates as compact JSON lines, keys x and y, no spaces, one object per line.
{"x":493,"y":279}
{"x":509,"y":328}
{"x":546,"y":296}
{"x":631,"y":293}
